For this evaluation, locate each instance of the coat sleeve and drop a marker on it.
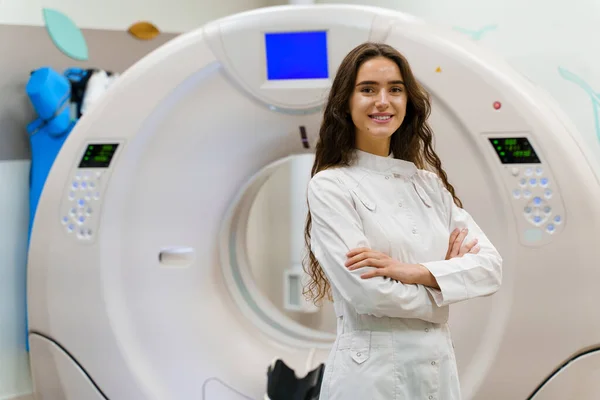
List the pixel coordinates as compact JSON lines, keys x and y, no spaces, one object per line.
{"x":336,"y":229}
{"x":469,"y":276}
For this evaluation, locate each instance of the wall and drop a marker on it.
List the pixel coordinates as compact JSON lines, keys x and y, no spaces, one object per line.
{"x":169,"y":16}
{"x":14,"y":216}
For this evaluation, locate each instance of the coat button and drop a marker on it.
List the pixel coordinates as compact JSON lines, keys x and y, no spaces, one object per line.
{"x":399,"y":204}
{"x":387,"y":177}
{"x":358,"y":354}
{"x":414,"y":231}
{"x":433,"y":363}
{"x":426,"y":329}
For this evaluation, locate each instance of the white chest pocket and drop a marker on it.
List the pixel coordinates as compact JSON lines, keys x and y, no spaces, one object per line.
{"x":421,"y":194}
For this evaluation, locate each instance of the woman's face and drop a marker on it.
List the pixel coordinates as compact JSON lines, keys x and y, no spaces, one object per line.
{"x":378,"y":103}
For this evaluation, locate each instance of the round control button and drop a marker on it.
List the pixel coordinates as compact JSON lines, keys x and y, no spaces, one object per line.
{"x":558,"y":219}
{"x":516,"y":193}
{"x":528,"y":171}
{"x":548,"y":193}
{"x":65,"y":220}
{"x":550,"y":228}
{"x":537,"y":219}
{"x":526,"y":194}
{"x":75,"y":185}
{"x":533,"y":182}
{"x":81,"y":202}
{"x":81,"y":219}
{"x":539,"y":171}
{"x":70,"y":227}
{"x":523,"y":182}
{"x":538,"y":205}
{"x":83,"y":185}
{"x":547,"y":210}
{"x":543,"y":182}
{"x":514,"y":171}
{"x":527,"y":210}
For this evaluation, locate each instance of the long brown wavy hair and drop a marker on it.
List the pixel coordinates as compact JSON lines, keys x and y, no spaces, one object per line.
{"x":413,"y":141}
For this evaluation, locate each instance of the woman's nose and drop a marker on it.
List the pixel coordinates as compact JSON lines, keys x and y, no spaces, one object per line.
{"x":382,"y":99}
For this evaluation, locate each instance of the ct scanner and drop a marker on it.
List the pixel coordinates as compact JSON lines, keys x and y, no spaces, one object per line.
{"x":138,"y":281}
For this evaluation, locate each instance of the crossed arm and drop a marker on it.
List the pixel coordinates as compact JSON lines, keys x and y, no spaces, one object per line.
{"x":423,"y":291}
{"x":417,"y":274}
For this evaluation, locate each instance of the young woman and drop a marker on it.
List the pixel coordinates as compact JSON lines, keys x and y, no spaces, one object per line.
{"x":386,"y":237}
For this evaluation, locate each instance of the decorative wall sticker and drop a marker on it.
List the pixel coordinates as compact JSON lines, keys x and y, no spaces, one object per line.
{"x":143,"y":30}
{"x":594,"y":96}
{"x":476,"y":34}
{"x":438,"y":69}
{"x":65,"y":34}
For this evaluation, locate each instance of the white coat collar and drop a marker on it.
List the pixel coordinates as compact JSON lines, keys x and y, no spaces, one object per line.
{"x":384,"y":165}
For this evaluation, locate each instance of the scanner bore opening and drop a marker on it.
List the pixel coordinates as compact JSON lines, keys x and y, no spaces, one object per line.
{"x":236,"y":268}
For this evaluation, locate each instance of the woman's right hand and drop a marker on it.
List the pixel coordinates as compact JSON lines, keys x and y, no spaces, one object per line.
{"x":456,"y":247}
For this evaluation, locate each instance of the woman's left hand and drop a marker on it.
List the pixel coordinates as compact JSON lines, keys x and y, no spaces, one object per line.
{"x":384,"y":265}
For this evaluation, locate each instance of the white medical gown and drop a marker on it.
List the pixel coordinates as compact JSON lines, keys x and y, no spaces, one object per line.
{"x":393,"y":340}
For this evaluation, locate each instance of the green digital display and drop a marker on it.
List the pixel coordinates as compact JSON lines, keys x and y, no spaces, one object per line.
{"x":98,"y":155}
{"x":515,"y":150}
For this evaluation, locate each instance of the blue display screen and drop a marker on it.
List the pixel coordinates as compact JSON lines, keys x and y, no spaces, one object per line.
{"x":297,"y":55}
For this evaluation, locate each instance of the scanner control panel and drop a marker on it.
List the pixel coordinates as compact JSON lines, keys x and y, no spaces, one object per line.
{"x":80,"y":206}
